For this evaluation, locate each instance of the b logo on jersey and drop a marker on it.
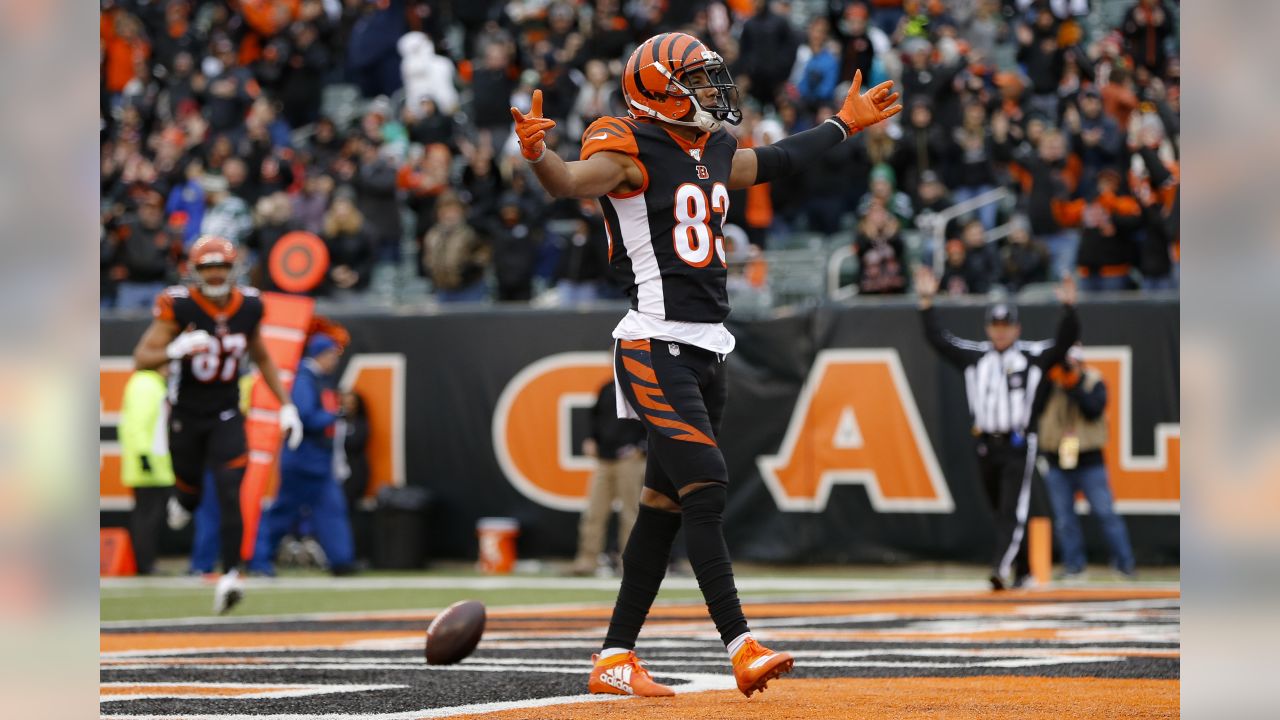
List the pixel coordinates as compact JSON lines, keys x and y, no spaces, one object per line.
{"x":702,"y":171}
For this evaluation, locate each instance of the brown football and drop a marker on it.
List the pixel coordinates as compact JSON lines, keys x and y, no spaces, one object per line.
{"x":455,"y":632}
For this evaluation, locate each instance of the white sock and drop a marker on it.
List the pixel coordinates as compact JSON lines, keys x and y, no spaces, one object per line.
{"x":736,"y":644}
{"x":608,"y":652}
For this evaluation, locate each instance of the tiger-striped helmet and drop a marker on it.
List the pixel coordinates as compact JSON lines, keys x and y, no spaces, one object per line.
{"x":662,"y":78}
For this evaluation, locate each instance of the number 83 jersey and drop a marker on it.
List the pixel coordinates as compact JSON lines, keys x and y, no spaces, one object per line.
{"x":208,"y":383}
{"x":666,"y":236}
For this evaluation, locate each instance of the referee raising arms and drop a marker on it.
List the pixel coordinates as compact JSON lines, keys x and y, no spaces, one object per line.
{"x":1001,"y":376}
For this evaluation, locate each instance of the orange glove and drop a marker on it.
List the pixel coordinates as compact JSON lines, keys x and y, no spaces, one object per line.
{"x":1066,"y":379}
{"x":531,"y":129}
{"x":862,"y":110}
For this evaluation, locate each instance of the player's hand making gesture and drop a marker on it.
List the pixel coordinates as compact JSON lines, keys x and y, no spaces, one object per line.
{"x":531,"y":129}
{"x":862,"y":110}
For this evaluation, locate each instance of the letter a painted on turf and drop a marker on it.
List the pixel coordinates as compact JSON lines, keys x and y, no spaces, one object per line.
{"x":856,"y":422}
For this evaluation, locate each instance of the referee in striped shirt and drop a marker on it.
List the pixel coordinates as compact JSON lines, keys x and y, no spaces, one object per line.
{"x":1001,"y":376}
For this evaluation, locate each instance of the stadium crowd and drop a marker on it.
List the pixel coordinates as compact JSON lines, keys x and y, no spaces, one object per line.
{"x":383,"y":127}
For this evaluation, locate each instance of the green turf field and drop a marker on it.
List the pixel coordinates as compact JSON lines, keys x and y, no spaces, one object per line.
{"x":299,"y":592}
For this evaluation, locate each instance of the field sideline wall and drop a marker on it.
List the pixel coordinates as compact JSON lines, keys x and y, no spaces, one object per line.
{"x":845,"y":435}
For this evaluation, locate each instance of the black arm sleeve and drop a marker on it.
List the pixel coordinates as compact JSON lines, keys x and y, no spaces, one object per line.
{"x":793,"y":154}
{"x":1068,"y":334}
{"x":961,"y":353}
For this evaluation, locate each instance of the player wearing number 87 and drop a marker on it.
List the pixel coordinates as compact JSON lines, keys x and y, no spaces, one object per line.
{"x":663,"y":176}
{"x":204,"y":331}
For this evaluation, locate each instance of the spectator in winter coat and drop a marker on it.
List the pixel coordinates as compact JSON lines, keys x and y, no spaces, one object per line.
{"x":311,"y":204}
{"x":188,"y":197}
{"x":492,"y":83}
{"x":971,"y":167}
{"x":1146,"y":28}
{"x":375,"y":185}
{"x":1022,"y":260}
{"x":1109,"y":222}
{"x":597,"y":98}
{"x":1095,"y":137}
{"x":309,"y":61}
{"x":455,"y":254}
{"x":1042,"y":60}
{"x":1154,"y":175}
{"x":883,"y":193}
{"x":584,"y":262}
{"x":860,"y":42}
{"x":1047,"y":175}
{"x":225,"y":214}
{"x":766,"y":44}
{"x":923,"y":146}
{"x":351,"y":246}
{"x":230,"y":91}
{"x":146,"y":252}
{"x":818,"y":65}
{"x":981,"y":265}
{"x":953,"y":280}
{"x":881,"y":261}
{"x":427,"y":125}
{"x":273,"y":219}
{"x":426,"y":74}
{"x":372,"y":60}
{"x":515,"y":248}
{"x":421,"y":181}
{"x":352,"y":431}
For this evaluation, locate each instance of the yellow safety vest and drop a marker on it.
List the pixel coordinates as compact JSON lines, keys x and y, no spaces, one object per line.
{"x":143,"y":434}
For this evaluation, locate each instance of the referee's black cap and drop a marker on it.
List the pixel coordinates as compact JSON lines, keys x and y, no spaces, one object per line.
{"x":1006,"y":313}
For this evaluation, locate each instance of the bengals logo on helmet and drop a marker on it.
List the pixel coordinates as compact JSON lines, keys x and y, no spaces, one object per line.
{"x":663,"y":76}
{"x":213,"y":250}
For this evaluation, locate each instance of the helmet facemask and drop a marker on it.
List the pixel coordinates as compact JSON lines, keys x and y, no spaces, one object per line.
{"x":715,"y":75}
{"x":215,"y":291}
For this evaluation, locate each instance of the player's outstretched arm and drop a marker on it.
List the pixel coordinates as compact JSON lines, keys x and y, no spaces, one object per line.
{"x":598,"y":175}
{"x":790,"y":155}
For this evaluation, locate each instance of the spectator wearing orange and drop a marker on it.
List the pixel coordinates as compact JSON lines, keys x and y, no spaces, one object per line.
{"x":1146,"y":28}
{"x":1109,"y":222}
{"x":1154,"y":177}
{"x":1049,"y":173}
{"x":422,"y":180}
{"x":124,"y":49}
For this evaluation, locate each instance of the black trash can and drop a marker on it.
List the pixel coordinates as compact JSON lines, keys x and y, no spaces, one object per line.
{"x":400,"y":528}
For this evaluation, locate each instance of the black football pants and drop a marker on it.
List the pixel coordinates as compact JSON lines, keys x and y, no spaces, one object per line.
{"x":216,"y":442}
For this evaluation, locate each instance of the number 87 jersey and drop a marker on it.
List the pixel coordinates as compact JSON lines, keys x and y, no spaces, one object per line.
{"x":208,"y":383}
{"x":666,"y":237}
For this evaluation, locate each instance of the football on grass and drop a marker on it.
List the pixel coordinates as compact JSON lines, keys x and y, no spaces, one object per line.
{"x":455,"y":632}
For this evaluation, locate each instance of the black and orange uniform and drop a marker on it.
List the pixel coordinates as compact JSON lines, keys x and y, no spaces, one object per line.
{"x":206,"y":428}
{"x":665,"y":239}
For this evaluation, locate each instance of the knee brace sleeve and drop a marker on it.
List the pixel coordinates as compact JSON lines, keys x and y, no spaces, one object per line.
{"x":644,"y":565}
{"x":703,"y":511}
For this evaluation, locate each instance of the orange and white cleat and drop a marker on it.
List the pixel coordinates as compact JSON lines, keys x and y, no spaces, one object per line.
{"x":754,"y":665}
{"x":624,"y":674}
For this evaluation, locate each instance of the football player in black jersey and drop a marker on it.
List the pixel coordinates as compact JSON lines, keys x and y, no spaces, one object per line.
{"x":663,"y":176}
{"x":204,"y":333}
